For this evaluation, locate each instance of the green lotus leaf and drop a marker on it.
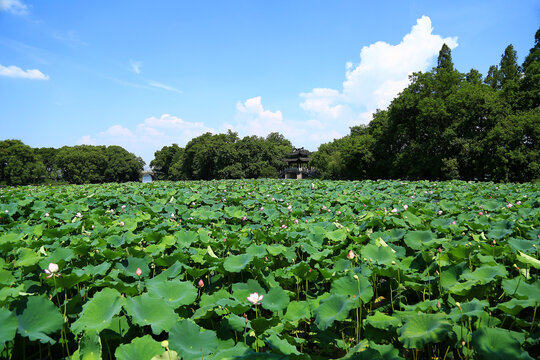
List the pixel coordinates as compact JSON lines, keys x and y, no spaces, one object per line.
{"x":8,"y":328}
{"x":191,"y":341}
{"x":236,"y":263}
{"x":528,"y":260}
{"x":185,"y":239}
{"x":176,"y":293}
{"x":354,"y":288}
{"x":334,"y":308}
{"x":485,"y":274}
{"x":297,"y":310}
{"x":237,"y":323}
{"x":472,"y":309}
{"x":419,"y":239}
{"x":514,"y":306}
{"x":167,"y":355}
{"x":382,"y":321}
{"x":276,"y":299}
{"x":139,"y":348}
{"x":98,"y":312}
{"x":93,"y":270}
{"x":521,"y":245}
{"x":235,"y":352}
{"x":387,"y":352}
{"x":337,"y":235}
{"x":281,"y":345}
{"x":26,"y":257}
{"x":33,"y":325}
{"x":383,"y":255}
{"x":156,"y":312}
{"x":90,"y":346}
{"x":130,"y":265}
{"x":422,"y":329}
{"x":497,"y":344}
{"x":520,"y":289}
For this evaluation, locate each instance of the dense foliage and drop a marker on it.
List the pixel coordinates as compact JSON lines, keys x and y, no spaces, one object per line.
{"x":449,"y":125}
{"x":349,"y":270}
{"x":222,"y":156}
{"x":21,"y":165}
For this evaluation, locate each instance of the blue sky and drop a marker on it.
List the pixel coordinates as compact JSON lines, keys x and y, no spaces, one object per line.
{"x":144,"y":74}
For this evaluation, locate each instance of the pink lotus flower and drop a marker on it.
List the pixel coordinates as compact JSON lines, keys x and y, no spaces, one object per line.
{"x":172,"y":215}
{"x":394,"y":210}
{"x":255,"y":298}
{"x":296,"y":221}
{"x":283,"y":226}
{"x":350,"y":255}
{"x":244,"y":218}
{"x":262,"y":208}
{"x":306,"y":221}
{"x":440,"y":212}
{"x":123,"y":207}
{"x":122,"y":223}
{"x":52,"y":270}
{"x":201,"y":283}
{"x":509,"y":205}
{"x":138,"y":272}
{"x":518,"y":202}
{"x":480,"y":213}
{"x":339,"y":212}
{"x":79,"y":215}
{"x":454,"y":222}
{"x":93,"y":227}
{"x":405,"y":206}
{"x":6,"y":211}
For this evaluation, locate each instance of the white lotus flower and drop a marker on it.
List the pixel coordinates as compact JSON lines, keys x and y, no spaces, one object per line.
{"x":52,"y":270}
{"x":255,"y":298}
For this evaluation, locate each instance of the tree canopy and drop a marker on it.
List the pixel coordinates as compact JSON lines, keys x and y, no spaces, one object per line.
{"x":21,"y":165}
{"x":449,"y":125}
{"x":222,"y":156}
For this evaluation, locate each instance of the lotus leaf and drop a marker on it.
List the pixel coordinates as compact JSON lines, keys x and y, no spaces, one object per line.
{"x":422,"y":329}
{"x":139,"y":348}
{"x":33,"y":325}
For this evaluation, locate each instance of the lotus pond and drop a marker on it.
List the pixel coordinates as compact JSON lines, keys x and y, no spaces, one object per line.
{"x":268,"y":269}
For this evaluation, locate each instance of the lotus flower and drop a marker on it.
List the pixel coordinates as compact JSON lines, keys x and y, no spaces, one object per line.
{"x":46,"y":214}
{"x":138,"y":272}
{"x":350,"y":255}
{"x":52,"y":270}
{"x":122,"y":223}
{"x":255,"y":298}
{"x":201,"y":283}
{"x":509,"y":205}
{"x":405,"y":206}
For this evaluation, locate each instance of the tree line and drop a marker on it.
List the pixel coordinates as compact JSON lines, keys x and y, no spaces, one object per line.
{"x":21,"y":164}
{"x":449,"y":125}
{"x":222,"y":156}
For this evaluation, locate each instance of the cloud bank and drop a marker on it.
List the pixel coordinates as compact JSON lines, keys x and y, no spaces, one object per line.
{"x":13,"y":6}
{"x":150,"y":135}
{"x":16,"y":72}
{"x":380,"y":75}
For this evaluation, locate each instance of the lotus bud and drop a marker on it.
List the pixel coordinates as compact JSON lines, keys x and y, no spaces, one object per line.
{"x":165,"y":344}
{"x":138,"y":272}
{"x":201,"y":283}
{"x":438,"y":305}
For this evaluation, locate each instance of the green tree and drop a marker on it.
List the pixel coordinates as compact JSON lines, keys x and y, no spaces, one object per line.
{"x":82,"y":164}
{"x":530,"y":84}
{"x":19,"y":164}
{"x":164,"y":159}
{"x":122,"y":165}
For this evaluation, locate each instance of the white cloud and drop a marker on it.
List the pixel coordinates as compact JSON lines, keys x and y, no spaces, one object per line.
{"x":383,"y":72}
{"x":135,"y":66}
{"x":13,"y":6}
{"x":149,"y":136}
{"x":16,"y":72}
{"x":164,"y":87}
{"x":253,"y":119}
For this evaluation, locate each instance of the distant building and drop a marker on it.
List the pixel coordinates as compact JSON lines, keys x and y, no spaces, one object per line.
{"x":298,"y":165}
